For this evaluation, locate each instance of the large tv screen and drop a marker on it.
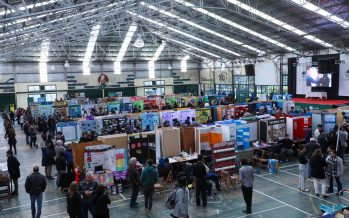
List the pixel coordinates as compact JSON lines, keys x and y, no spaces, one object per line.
{"x":316,"y":79}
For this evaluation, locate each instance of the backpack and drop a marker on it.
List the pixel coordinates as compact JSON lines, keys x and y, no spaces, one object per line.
{"x":170,"y":202}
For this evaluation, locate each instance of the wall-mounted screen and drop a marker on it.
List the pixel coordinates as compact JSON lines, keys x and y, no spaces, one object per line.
{"x":315,"y":79}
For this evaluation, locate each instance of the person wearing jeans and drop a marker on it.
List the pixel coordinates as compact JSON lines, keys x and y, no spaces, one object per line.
{"x":302,"y":169}
{"x":87,"y":188}
{"x":318,"y":165}
{"x":246,"y":178}
{"x":149,"y":177}
{"x":199,"y":173}
{"x":334,"y":170}
{"x":35,"y":185}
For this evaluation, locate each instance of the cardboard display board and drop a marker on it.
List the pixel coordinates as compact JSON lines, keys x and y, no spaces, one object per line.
{"x":142,"y":146}
{"x":202,"y":115}
{"x":183,"y":114}
{"x":202,"y":137}
{"x":69,"y":130}
{"x":118,"y":140}
{"x":45,"y":110}
{"x":151,"y":119}
{"x":74,"y":111}
{"x":88,"y":125}
{"x":188,"y":139}
{"x":79,"y":150}
{"x":113,"y":106}
{"x":99,"y":155}
{"x":168,"y":140}
{"x":169,"y":116}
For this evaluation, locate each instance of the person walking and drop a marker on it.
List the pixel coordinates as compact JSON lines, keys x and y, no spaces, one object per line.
{"x":87,"y":188}
{"x":61,"y":167}
{"x":149,"y":177}
{"x":302,"y":165}
{"x":199,"y":173}
{"x":318,"y":165}
{"x":32,"y":134}
{"x":334,"y":170}
{"x":13,"y":169}
{"x":74,"y":201}
{"x":48,"y":157}
{"x":134,"y":178}
{"x":101,"y":201}
{"x":181,"y":208}
{"x":26,"y":132}
{"x":35,"y":185}
{"x":309,"y":149}
{"x":246,"y":179}
{"x":11,"y":136}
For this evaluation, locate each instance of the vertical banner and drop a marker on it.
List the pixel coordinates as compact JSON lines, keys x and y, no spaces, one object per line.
{"x":343,"y":88}
{"x":302,"y":65}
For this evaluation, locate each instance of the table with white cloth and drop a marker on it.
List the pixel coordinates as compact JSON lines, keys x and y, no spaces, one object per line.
{"x":319,"y":95}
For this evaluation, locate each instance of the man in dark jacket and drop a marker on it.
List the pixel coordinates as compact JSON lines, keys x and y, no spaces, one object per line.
{"x":35,"y":185}
{"x":199,"y":172}
{"x":87,"y":189}
{"x":310,"y":148}
{"x":61,"y":167}
{"x":133,"y":176}
{"x":148,"y":179}
{"x":26,"y":132}
{"x":51,"y":125}
{"x":13,"y":169}
{"x":322,"y":140}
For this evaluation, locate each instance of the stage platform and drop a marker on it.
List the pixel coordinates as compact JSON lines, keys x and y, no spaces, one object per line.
{"x":318,"y":104}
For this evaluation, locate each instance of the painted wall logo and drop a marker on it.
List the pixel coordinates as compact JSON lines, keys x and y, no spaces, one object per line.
{"x":223,"y":77}
{"x":103,"y":79}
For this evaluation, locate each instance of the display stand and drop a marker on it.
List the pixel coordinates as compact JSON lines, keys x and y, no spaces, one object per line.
{"x":78,"y":150}
{"x":296,"y":127}
{"x":74,"y":111}
{"x":183,"y":114}
{"x":142,"y":146}
{"x":167,"y":142}
{"x":117,"y":140}
{"x":223,"y":156}
{"x":272,"y":130}
{"x":326,"y":119}
{"x":168,"y":116}
{"x":69,"y":130}
{"x":188,"y":139}
{"x":202,"y":115}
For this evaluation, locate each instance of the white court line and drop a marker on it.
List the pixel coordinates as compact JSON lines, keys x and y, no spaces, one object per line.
{"x":314,"y":196}
{"x":263,"y":211}
{"x":292,"y":174}
{"x":24,"y":205}
{"x":123,"y":196}
{"x":281,"y":202}
{"x":287,"y":166}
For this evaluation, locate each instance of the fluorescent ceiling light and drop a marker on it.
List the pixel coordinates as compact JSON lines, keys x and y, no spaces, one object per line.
{"x":185,"y":44}
{"x":199,"y":27}
{"x":45,"y":45}
{"x":185,"y":34}
{"x":158,"y":51}
{"x":123,"y":49}
{"x":233,"y":24}
{"x":151,"y":69}
{"x":311,"y":7}
{"x":89,"y":50}
{"x":23,"y":8}
{"x":277,"y":22}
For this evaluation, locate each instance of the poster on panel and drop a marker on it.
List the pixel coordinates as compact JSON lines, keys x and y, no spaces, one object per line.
{"x":343,"y":88}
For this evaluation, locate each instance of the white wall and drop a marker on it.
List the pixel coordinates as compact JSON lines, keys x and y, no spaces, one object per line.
{"x":21,"y":90}
{"x":140,"y":84}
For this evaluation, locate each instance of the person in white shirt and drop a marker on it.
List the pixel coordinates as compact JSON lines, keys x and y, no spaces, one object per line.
{"x":317,"y":131}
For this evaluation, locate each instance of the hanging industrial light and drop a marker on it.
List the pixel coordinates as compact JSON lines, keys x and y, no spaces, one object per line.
{"x":66,"y":64}
{"x":139,"y":43}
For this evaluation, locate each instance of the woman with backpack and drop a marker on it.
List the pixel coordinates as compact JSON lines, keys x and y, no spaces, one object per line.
{"x":181,"y":198}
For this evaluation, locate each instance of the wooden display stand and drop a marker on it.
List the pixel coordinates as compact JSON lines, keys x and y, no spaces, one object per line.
{"x":188,"y":139}
{"x":118,"y":140}
{"x":168,"y":140}
{"x":79,"y":150}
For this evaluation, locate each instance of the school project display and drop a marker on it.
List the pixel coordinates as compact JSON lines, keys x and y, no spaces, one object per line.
{"x":142,"y":146}
{"x":121,"y":164}
{"x":202,"y":135}
{"x":88,"y":125}
{"x":183,"y":114}
{"x":100,"y":155}
{"x":151,"y":119}
{"x":138,"y":104}
{"x":45,"y":110}
{"x":242,"y":138}
{"x":169,"y":116}
{"x":69,"y":130}
{"x":202,"y":115}
{"x":74,"y":111}
{"x":113,"y":106}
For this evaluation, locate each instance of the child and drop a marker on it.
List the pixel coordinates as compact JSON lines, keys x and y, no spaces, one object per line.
{"x":302,"y":169}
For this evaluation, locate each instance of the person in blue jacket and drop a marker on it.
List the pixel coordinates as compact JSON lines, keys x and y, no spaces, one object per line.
{"x":148,"y":179}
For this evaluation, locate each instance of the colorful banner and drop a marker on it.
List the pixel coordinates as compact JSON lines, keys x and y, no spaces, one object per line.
{"x":121,"y":159}
{"x":138,"y":104}
{"x":74,"y":111}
